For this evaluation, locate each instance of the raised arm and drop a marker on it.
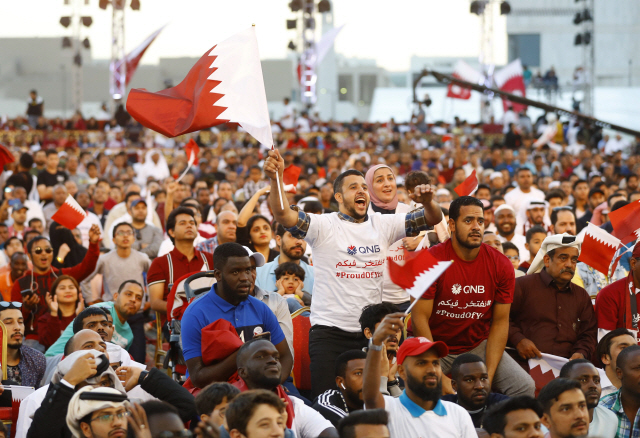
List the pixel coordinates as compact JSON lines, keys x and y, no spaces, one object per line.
{"x":373,"y":398}
{"x":287,"y":217}
{"x":250,"y":206}
{"x":423,"y":194}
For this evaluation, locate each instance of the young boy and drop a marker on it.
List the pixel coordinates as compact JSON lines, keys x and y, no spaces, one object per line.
{"x":212,"y":402}
{"x":289,"y":281}
{"x":534,"y":237}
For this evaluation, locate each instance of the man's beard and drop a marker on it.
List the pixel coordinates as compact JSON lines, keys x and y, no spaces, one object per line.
{"x":422,"y":390}
{"x":228,"y":288}
{"x":260,"y":381}
{"x":351,"y":210}
{"x":464,"y":243}
{"x":289,"y":253}
{"x":501,"y":230}
{"x":353,"y":398}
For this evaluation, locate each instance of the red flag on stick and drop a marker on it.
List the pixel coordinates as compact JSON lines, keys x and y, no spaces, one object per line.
{"x":290,"y":175}
{"x":598,"y":248}
{"x":192,"y":149}
{"x":70,"y":214}
{"x":625,"y":220}
{"x":419,"y":272}
{"x":468,"y":186}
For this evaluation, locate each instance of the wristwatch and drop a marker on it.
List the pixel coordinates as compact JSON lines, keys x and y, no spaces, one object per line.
{"x":374,"y":347}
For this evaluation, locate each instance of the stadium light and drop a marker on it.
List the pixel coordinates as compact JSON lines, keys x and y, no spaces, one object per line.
{"x":324,"y":6}
{"x":291,"y":46}
{"x":292,"y":24}
{"x":65,"y":21}
{"x":135,"y":5}
{"x":295,"y":5}
{"x":505,"y":8}
{"x":87,"y":21}
{"x":86,"y":44}
{"x":102,"y":4}
{"x":66,"y":42}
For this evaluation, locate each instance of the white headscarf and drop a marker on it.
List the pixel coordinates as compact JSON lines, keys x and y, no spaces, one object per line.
{"x":158,"y":171}
{"x":550,"y":243}
{"x":67,"y":363}
{"x":78,"y":409}
{"x":530,"y":203}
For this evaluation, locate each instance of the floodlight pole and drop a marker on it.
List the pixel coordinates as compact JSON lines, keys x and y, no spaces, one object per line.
{"x":308,"y":75}
{"x":588,"y":57}
{"x":76,"y":60}
{"x":118,"y":66}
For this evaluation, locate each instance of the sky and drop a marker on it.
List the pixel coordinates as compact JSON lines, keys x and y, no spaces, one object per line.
{"x":388,"y":31}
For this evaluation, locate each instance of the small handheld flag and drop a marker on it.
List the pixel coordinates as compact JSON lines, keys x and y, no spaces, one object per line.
{"x":598,"y":248}
{"x":419,"y":272}
{"x":70,"y":214}
{"x":468,"y":186}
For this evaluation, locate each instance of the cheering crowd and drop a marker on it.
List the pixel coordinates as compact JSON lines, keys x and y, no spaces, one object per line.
{"x":304,"y":232}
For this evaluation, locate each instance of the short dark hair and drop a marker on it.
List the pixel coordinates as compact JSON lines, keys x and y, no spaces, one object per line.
{"x":130,"y":195}
{"x":78,"y":322}
{"x":223,"y":252}
{"x":495,"y":419}
{"x":126,"y":282}
{"x":523,"y":169}
{"x":536,"y":229}
{"x":416,"y":178}
{"x":580,"y":181}
{"x":33,"y":241}
{"x":623,"y":356}
{"x":461,"y":360}
{"x":555,"y":194}
{"x":280,"y":230}
{"x":171,"y":220}
{"x":337,"y":184}
{"x":347,"y":426}
{"x":33,"y":220}
{"x":619,"y":204}
{"x":51,"y":151}
{"x":604,"y":346}
{"x":555,"y":212}
{"x":289,"y":268}
{"x":345,"y":358}
{"x":157,"y":407}
{"x":483,"y":186}
{"x":121,"y":224}
{"x":509,"y":245}
{"x":3,"y":225}
{"x":314,"y":207}
{"x":26,"y":160}
{"x":10,"y":239}
{"x":212,"y":395}
{"x":567,"y":367}
{"x":554,"y":389}
{"x":463,"y":201}
{"x":374,"y":313}
{"x":242,"y":407}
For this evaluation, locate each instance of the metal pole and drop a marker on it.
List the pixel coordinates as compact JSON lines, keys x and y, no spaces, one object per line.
{"x":77,"y":57}
{"x":118,"y":66}
{"x":308,"y":60}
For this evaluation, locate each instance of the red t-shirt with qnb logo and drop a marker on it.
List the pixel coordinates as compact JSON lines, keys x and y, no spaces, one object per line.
{"x":463,"y":296}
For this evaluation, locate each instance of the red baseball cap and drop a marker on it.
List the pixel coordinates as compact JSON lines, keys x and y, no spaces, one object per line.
{"x":417,"y":346}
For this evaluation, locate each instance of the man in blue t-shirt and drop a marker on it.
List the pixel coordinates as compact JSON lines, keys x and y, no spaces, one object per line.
{"x":229,"y":299}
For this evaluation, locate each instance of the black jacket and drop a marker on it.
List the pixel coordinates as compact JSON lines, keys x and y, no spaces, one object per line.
{"x":50,"y":420}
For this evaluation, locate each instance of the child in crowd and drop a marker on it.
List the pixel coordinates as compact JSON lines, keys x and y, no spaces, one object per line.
{"x":512,"y":253}
{"x":212,"y":402}
{"x":289,"y":281}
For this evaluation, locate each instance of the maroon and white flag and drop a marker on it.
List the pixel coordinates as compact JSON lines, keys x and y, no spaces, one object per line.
{"x":467,"y":73}
{"x":598,"y":248}
{"x":468,"y":186}
{"x":418,"y":273}
{"x":133,"y":58}
{"x":511,"y":80}
{"x":626,"y":220}
{"x":70,"y":214}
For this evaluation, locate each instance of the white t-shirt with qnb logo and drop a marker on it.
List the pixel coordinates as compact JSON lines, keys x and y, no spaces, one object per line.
{"x":349,"y":262}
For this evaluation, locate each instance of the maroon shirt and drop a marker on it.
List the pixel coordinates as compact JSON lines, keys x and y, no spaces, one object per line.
{"x":558,"y":322}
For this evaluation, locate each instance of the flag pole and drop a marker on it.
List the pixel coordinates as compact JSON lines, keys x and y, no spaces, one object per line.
{"x":408,"y":311}
{"x":278,"y":183}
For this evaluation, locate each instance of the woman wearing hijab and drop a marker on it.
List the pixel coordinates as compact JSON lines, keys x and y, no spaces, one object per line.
{"x":383,"y":193}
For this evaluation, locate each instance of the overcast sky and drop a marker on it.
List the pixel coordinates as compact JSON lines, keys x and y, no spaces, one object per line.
{"x":387,"y":31}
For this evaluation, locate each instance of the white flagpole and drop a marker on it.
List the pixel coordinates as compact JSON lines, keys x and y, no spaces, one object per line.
{"x":278,"y":183}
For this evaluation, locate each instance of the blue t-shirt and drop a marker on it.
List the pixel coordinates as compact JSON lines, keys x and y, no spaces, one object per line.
{"x":250,"y":318}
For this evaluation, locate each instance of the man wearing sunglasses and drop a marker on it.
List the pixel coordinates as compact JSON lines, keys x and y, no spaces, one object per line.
{"x":97,"y":413}
{"x":33,"y":286}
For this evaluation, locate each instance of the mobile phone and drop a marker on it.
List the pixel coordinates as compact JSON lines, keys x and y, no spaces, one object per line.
{"x":26,"y":293}
{"x":13,"y":202}
{"x":8,"y":189}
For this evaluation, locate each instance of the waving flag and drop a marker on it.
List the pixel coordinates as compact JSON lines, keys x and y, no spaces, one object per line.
{"x":225,"y":85}
{"x":598,"y":248}
{"x":70,"y":214}
{"x":468,"y":186}
{"x":463,"y":71}
{"x":511,"y":79}
{"x":133,"y":58}
{"x":6,"y":157}
{"x":192,"y":149}
{"x":626,"y":220}
{"x":418,"y":273}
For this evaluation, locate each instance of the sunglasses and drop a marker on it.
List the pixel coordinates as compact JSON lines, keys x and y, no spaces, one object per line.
{"x":10,"y":304}
{"x":39,"y":250}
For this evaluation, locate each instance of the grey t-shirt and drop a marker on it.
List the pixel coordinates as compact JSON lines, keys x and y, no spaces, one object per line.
{"x":115,"y":270}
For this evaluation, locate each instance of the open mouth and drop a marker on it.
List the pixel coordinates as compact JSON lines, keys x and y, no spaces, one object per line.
{"x":361,"y":201}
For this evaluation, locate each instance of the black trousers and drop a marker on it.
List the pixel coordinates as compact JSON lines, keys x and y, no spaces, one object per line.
{"x":325,"y":345}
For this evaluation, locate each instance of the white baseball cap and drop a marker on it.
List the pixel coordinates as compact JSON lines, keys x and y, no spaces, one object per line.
{"x":258,"y":257}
